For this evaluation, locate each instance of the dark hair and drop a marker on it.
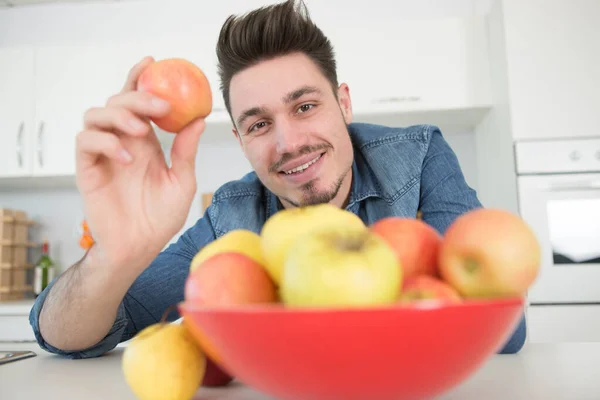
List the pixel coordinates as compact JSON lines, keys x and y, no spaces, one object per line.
{"x":268,"y":32}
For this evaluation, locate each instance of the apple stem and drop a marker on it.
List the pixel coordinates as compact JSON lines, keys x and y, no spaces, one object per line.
{"x":167,"y":312}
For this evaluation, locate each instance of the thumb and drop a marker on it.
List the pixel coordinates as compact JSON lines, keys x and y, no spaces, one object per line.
{"x":184,"y":149}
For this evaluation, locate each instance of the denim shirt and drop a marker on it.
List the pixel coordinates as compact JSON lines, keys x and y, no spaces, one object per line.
{"x":396,"y":172}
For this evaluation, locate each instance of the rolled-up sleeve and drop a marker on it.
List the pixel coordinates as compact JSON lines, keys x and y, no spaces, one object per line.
{"x":159,"y":287}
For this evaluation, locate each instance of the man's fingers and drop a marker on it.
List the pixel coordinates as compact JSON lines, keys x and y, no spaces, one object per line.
{"x":92,"y":144}
{"x":116,"y":119}
{"x":134,"y":74}
{"x":184,"y":149}
{"x":141,"y":103}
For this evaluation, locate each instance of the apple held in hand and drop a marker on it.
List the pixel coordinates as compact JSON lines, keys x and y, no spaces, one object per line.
{"x":282,"y":230}
{"x":415,"y":243}
{"x":417,"y":289}
{"x":183,"y":85}
{"x":339,"y":267}
{"x":489,"y":253}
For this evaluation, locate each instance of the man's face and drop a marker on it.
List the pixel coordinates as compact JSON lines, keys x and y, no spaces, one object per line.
{"x":293,"y":130}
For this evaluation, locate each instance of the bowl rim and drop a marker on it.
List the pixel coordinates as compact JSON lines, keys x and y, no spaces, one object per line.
{"x":420,"y":307}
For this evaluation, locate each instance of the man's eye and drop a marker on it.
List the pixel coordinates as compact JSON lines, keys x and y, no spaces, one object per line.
{"x":258,"y":125}
{"x":305,"y":107}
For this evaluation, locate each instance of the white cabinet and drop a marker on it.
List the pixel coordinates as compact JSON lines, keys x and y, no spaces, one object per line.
{"x":69,"y":80}
{"x":414,"y":65}
{"x":553,"y":59}
{"x":16,"y":111}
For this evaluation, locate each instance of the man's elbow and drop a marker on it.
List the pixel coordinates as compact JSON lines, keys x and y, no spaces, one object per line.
{"x":517,"y":339}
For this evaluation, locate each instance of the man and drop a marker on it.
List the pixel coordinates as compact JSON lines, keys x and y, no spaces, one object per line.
{"x":294,"y":123}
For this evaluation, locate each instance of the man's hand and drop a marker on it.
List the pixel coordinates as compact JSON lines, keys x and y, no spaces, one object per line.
{"x":134,"y":203}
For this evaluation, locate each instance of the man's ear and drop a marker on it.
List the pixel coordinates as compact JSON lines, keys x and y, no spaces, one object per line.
{"x":345,"y":102}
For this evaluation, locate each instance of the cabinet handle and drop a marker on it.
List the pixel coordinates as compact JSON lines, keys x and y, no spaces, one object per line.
{"x":40,"y":153}
{"x":20,"y":144}
{"x":401,"y":99}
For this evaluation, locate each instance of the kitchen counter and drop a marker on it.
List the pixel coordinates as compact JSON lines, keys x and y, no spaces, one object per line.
{"x":540,"y":371}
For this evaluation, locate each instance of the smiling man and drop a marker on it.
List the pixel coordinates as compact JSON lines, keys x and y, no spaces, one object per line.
{"x":293,"y":121}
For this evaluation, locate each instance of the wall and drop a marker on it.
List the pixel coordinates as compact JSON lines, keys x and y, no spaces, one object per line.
{"x":500,"y":188}
{"x":59,"y":209}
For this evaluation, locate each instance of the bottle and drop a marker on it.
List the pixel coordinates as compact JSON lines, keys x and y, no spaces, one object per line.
{"x":44,"y":270}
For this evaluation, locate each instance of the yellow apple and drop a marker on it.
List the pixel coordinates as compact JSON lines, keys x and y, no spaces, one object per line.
{"x":163,"y":362}
{"x":283,"y":228}
{"x":341,"y":268}
{"x":238,"y":241}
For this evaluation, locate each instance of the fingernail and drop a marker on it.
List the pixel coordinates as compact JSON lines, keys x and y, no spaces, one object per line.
{"x":159,"y":104}
{"x":125,"y":156}
{"x":137,"y":124}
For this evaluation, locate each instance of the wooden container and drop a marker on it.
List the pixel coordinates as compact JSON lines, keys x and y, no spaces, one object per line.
{"x":7,"y":225}
{"x":21,"y":228}
{"x":14,"y":244}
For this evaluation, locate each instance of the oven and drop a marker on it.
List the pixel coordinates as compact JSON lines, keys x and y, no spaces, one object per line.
{"x":559,"y":197}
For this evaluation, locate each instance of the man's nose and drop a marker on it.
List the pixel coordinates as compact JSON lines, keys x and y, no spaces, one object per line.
{"x":289,"y":138}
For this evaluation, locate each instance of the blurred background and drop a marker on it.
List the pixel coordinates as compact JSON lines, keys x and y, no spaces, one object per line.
{"x":511,"y":83}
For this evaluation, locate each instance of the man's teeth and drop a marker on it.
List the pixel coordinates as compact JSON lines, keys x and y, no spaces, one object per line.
{"x":304,"y":166}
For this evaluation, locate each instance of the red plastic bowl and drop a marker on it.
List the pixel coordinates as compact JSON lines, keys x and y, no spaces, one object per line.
{"x":344,"y":354}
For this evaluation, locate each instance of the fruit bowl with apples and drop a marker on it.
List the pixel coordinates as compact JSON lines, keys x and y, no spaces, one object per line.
{"x":332,"y":309}
{"x":318,"y":305}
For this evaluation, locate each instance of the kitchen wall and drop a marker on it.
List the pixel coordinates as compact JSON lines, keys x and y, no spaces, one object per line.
{"x":59,"y":209}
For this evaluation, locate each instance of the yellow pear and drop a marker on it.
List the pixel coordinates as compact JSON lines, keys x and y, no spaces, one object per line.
{"x":239,"y":241}
{"x":163,"y":362}
{"x":284,"y":228}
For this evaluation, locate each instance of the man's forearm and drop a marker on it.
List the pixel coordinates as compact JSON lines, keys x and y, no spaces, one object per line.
{"x":82,"y":305}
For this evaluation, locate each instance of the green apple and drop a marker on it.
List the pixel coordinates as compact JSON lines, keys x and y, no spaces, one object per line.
{"x":282,"y":229}
{"x":341,"y":268}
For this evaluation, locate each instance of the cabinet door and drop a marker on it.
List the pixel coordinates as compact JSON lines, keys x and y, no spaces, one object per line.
{"x":404,"y":65}
{"x":553,"y":54}
{"x":69,"y":80}
{"x":16,"y":111}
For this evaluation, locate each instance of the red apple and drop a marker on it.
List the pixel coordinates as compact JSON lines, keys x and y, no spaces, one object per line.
{"x":489,"y":253}
{"x":426,"y":287}
{"x":415,"y":243}
{"x":183,"y":85}
{"x":226,"y":279}
{"x":215,"y":376}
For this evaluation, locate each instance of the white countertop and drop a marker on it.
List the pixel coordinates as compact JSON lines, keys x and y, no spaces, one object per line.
{"x":540,"y":371}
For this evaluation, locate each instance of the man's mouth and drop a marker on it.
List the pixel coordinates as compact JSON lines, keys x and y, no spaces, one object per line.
{"x":301,"y":168}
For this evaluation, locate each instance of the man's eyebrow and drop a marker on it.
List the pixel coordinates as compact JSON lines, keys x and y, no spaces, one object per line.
{"x":249,"y":113}
{"x":296,"y":94}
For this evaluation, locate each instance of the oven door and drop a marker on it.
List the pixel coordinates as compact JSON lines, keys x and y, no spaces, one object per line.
{"x":564,"y":211}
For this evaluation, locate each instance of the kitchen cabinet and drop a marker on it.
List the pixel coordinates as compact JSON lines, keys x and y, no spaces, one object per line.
{"x":552,"y":54}
{"x":68,"y":80}
{"x":16,"y":111}
{"x":414,"y":65}
{"x":431,"y":71}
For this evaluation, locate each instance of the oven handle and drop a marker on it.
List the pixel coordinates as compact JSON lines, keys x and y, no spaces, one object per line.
{"x":581,"y":185}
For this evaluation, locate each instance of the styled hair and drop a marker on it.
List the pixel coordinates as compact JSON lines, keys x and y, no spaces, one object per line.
{"x":269,"y":32}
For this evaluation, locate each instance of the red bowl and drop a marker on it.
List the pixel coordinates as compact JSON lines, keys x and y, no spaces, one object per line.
{"x":372,"y":353}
